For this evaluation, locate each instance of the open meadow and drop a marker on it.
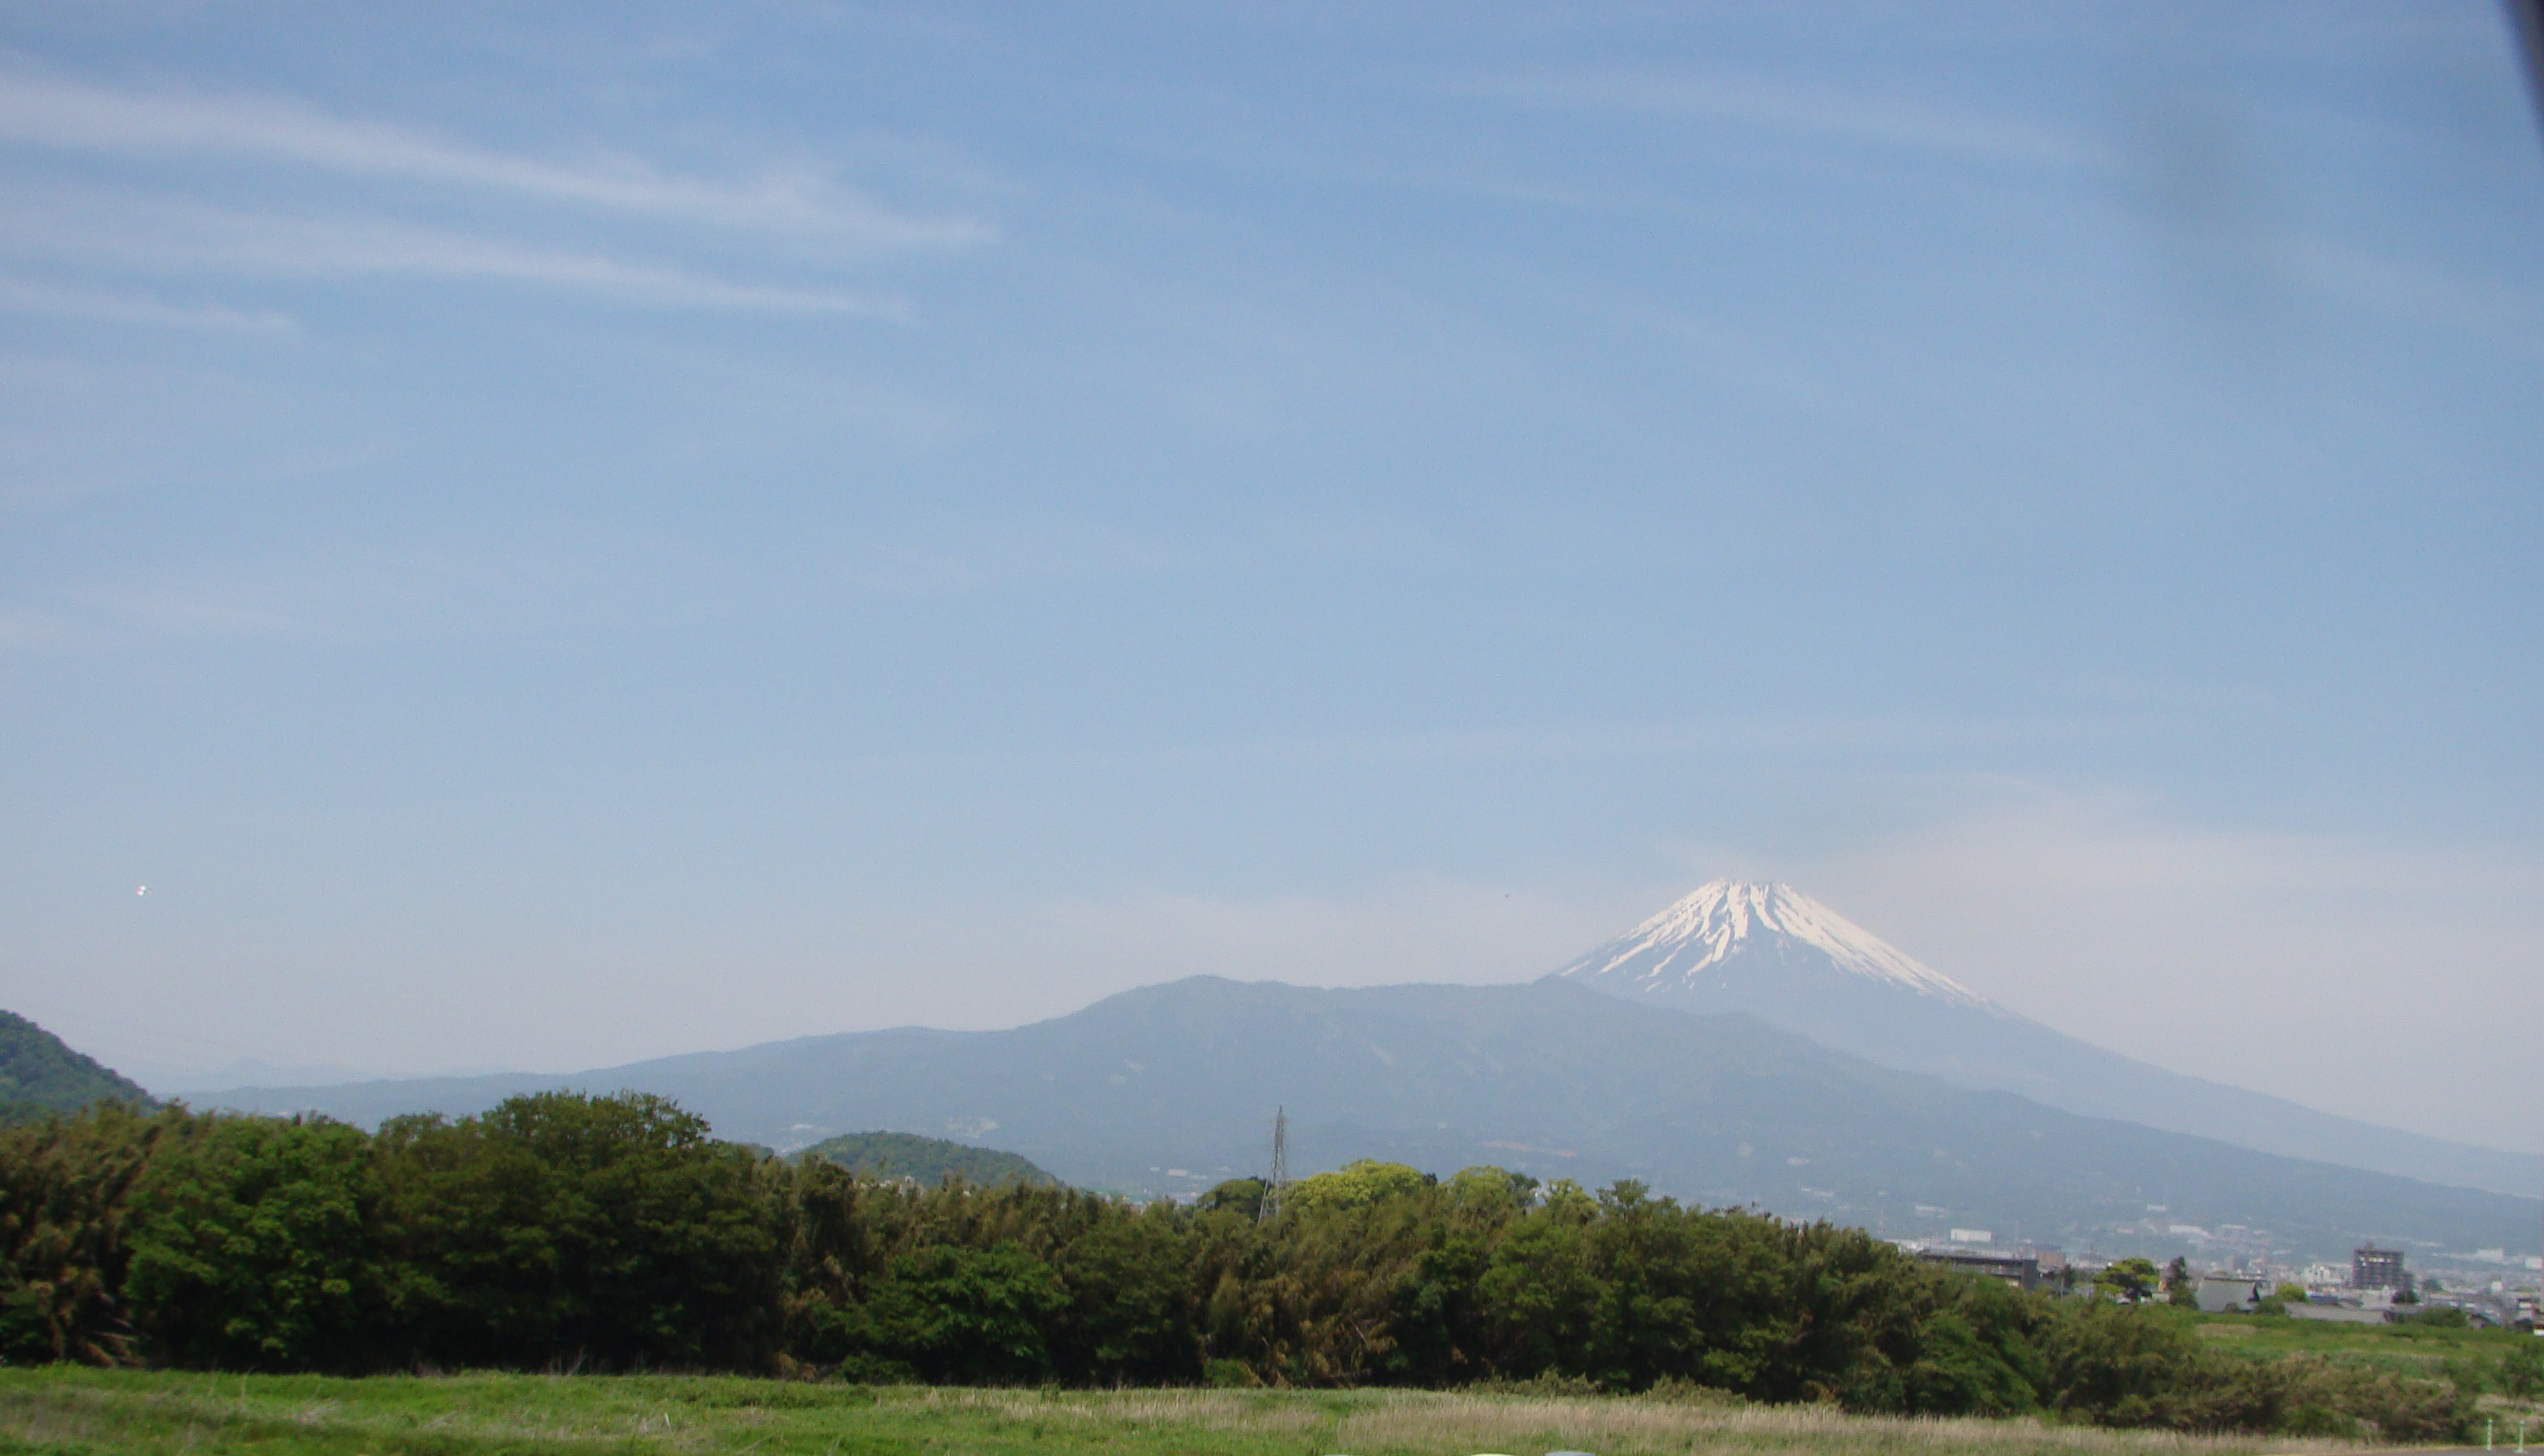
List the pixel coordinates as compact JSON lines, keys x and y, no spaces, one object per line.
{"x":64,"y":1410}
{"x":2418,"y":1349}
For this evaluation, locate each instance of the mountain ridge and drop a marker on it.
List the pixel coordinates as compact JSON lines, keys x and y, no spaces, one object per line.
{"x":1168,"y":1089}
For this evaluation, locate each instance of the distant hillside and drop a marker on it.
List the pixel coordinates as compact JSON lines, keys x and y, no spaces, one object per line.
{"x":1170,"y":1089}
{"x":39,"y":1075}
{"x":926,"y":1159}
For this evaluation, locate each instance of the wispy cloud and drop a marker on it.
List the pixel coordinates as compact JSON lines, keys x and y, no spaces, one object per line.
{"x":18,"y":295}
{"x":168,"y":236}
{"x":396,"y":202}
{"x":1819,"y":112}
{"x":59,"y":113}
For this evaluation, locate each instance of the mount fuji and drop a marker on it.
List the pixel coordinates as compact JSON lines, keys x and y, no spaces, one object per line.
{"x":1777,"y":953}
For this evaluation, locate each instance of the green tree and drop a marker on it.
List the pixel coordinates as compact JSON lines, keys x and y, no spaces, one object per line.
{"x":1130,"y":1315}
{"x":2522,"y":1371}
{"x":1488,"y":1191}
{"x":1355,"y":1184}
{"x":1239,"y":1195}
{"x":1672,"y":1298}
{"x":2130,"y":1280}
{"x":1997,"y":1369}
{"x":1960,"y":1371}
{"x":969,"y":1316}
{"x":1434,"y":1311}
{"x":2116,"y":1364}
{"x":2181,"y":1286}
{"x":1538,"y":1297}
{"x":561,"y":1227}
{"x":255,"y":1246}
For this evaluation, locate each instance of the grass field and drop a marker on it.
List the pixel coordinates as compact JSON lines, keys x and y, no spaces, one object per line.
{"x":64,"y":1410}
{"x":2420,"y":1348}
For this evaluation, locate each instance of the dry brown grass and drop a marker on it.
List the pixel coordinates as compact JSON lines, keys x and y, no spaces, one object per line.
{"x":1426,"y":1423}
{"x":1505,"y":1423}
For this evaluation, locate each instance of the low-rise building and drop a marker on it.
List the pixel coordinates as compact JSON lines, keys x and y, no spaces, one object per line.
{"x":2022,"y":1271}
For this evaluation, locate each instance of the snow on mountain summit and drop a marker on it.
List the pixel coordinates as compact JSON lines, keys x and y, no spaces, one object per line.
{"x":1724,"y":919}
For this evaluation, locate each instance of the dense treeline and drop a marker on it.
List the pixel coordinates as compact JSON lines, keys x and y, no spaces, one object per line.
{"x":613,"y":1233}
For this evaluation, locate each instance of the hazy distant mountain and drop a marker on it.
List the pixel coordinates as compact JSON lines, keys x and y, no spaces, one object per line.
{"x":1786,"y":958}
{"x":1171,"y":1087}
{"x":40,"y":1074}
{"x":247,"y":1071}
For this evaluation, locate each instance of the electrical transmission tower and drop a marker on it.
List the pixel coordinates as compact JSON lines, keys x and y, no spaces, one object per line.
{"x":1279,"y":1178}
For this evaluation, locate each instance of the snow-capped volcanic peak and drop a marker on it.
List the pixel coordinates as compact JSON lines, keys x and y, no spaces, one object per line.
{"x":1723,"y":918}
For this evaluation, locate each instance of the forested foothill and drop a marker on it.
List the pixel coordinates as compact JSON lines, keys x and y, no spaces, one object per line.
{"x":39,"y":1075}
{"x":561,"y":1231}
{"x":908,"y":1157}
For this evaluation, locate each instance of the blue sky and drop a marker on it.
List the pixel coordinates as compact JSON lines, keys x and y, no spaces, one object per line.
{"x":551,"y":536}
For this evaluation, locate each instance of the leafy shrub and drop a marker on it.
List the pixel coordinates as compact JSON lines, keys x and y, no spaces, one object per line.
{"x":1547,"y":1386}
{"x":966,"y":1316}
{"x":2439,"y":1317}
{"x":253,"y":1246}
{"x":1672,"y":1391}
{"x":1230,"y":1375}
{"x":2520,"y":1372}
{"x":2385,"y":1405}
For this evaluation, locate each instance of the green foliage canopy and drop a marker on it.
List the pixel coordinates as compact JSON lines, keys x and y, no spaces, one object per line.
{"x":2130,"y":1280}
{"x":564,"y":1231}
{"x":1355,"y":1184}
{"x":254,"y":1246}
{"x":609,"y":1230}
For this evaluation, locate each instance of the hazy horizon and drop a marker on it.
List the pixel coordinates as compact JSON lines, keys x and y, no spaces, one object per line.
{"x":546,"y":539}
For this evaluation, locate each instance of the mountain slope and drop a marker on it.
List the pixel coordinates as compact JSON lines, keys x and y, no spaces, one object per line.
{"x":1778,"y":954}
{"x":39,"y":1074}
{"x":1171,"y":1087}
